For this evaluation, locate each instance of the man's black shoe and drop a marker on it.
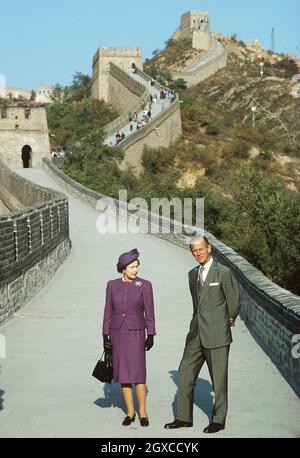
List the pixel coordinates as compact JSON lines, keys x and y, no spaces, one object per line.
{"x":178,"y":424}
{"x":213,"y":428}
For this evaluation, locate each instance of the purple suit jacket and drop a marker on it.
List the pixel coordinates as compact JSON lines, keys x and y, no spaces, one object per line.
{"x":129,"y":302}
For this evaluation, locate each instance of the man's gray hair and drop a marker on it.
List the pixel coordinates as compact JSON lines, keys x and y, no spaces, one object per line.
{"x":199,"y":237}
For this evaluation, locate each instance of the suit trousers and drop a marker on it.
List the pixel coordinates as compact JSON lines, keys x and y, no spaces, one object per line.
{"x":193,"y":359}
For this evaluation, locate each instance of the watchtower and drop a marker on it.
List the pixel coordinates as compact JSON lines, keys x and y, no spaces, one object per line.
{"x":195,"y":25}
{"x":125,"y":58}
{"x":24,"y":135}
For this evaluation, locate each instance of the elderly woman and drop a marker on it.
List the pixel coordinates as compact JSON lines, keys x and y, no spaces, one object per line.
{"x":129,"y":310}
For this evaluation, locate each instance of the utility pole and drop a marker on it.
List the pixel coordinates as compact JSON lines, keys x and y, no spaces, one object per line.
{"x":253,"y":109}
{"x":262,"y":69}
{"x":273,"y":40}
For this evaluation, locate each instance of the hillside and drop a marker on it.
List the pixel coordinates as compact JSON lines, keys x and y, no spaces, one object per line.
{"x":169,"y":57}
{"x":218,"y":122}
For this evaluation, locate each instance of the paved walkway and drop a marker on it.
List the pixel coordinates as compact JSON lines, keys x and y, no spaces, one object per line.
{"x":215,"y":52}
{"x":53,"y":344}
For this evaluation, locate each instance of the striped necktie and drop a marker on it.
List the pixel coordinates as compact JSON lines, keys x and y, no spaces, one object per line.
{"x":201,"y":281}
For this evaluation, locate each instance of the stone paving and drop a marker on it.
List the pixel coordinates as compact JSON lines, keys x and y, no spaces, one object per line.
{"x":217,"y":51}
{"x":54,"y":341}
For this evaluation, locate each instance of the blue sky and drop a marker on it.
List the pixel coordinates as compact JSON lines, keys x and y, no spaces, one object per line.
{"x":48,"y":41}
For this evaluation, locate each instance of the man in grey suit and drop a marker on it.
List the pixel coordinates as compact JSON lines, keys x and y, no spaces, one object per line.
{"x":215,"y":295}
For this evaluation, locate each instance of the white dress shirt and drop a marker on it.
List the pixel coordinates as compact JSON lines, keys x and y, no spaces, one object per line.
{"x":206,"y":269}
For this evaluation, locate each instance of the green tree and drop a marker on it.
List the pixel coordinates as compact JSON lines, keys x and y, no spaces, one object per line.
{"x":265,"y":224}
{"x":68,"y":117}
{"x":158,"y":160}
{"x":81,"y":86}
{"x":180,"y":83}
{"x":165,"y":77}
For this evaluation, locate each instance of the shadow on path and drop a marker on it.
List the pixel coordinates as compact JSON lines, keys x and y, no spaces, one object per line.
{"x":112,"y":397}
{"x":203,"y":397}
{"x":1,"y":399}
{"x":1,"y":396}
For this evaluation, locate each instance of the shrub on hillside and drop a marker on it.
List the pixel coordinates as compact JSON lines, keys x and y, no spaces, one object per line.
{"x":180,"y":83}
{"x":239,"y":149}
{"x":157,"y":160}
{"x":288,"y":65}
{"x":212,"y":129}
{"x":265,"y":226}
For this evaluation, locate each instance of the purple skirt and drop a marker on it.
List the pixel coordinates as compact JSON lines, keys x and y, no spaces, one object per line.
{"x":129,"y":355}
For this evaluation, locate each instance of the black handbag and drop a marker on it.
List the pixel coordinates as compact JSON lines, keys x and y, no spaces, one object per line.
{"x":104,"y":370}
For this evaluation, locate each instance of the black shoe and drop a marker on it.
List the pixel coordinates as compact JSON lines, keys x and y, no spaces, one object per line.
{"x":144,"y":421}
{"x":213,"y":428}
{"x":178,"y":424}
{"x":128,"y":420}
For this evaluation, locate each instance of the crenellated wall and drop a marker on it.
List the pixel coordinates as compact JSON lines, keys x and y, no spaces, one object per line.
{"x":34,"y":239}
{"x":214,"y":60}
{"x":163,"y":129}
{"x":124,"y":92}
{"x":121,"y":57}
{"x":124,"y":82}
{"x":161,"y":132}
{"x":190,"y":21}
{"x":196,"y":25}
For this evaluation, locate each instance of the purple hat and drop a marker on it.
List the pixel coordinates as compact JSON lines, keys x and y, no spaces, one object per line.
{"x":127,"y":258}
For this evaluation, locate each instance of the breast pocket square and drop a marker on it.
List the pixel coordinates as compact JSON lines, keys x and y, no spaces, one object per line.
{"x":214,"y":284}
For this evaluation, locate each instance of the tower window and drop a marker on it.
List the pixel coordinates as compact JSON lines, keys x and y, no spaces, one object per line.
{"x":27,"y":113}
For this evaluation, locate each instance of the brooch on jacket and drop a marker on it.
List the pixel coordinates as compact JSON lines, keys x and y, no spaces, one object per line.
{"x":138,"y":283}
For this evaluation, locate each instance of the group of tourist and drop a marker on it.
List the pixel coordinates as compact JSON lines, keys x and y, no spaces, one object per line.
{"x":153,"y":98}
{"x":146,"y":112}
{"x":120,"y":137}
{"x":59,"y":152}
{"x":167,"y":94}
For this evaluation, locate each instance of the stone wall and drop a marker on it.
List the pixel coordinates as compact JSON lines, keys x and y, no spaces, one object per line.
{"x":205,"y":67}
{"x":188,"y":22}
{"x":124,"y":92}
{"x":16,"y":92}
{"x":17,"y":192}
{"x":201,"y":40}
{"x":271,"y":313}
{"x":17,"y":130}
{"x":121,"y":57}
{"x":4,"y":210}
{"x":137,"y":92}
{"x":34,"y":241}
{"x":161,"y":132}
